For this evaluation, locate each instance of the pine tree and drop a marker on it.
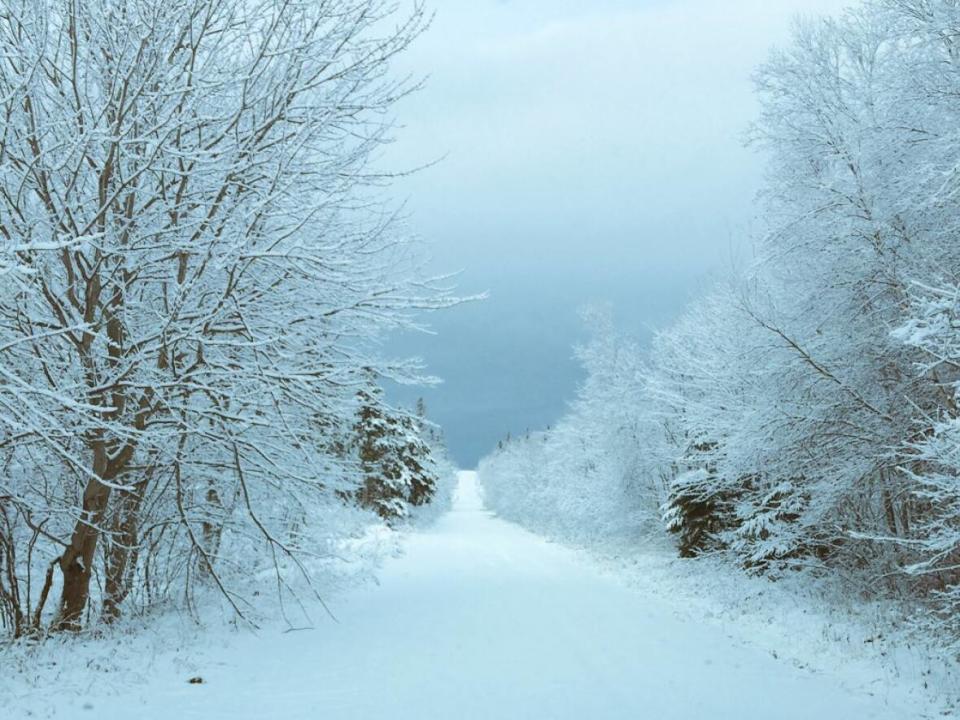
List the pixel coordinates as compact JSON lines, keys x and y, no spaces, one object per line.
{"x":695,"y":510}
{"x":398,"y":464}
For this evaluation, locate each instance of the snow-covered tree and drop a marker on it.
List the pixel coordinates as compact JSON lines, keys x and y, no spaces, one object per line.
{"x":812,"y":406}
{"x":935,"y":472}
{"x":402,"y":468}
{"x":203,"y":264}
{"x":580,"y":479}
{"x":803,"y":413}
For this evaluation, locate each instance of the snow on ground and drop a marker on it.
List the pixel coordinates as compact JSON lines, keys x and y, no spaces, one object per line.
{"x":482,"y":620}
{"x":798,"y":621}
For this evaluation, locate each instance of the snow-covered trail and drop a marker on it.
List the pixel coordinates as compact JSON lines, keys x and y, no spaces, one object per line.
{"x":482,"y":620}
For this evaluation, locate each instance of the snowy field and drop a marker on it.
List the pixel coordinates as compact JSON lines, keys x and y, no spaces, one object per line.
{"x":478,"y":619}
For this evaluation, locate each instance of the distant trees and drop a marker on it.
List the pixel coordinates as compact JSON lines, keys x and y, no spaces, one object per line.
{"x":580,"y":478}
{"x":803,"y":414}
{"x":194,"y":264}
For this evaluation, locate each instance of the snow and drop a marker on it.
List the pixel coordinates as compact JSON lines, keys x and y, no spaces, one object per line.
{"x":479,"y":619}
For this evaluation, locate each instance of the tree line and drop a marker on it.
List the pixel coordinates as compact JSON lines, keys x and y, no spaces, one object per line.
{"x":801,"y":416}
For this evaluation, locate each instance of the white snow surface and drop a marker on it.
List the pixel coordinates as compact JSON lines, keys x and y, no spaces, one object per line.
{"x":479,"y":619}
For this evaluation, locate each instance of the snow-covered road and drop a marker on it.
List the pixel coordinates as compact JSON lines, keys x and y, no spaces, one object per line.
{"x":482,"y":620}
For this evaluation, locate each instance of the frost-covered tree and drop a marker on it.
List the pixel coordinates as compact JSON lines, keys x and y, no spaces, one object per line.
{"x":580,"y":478}
{"x":812,"y":404}
{"x":935,"y":473}
{"x":187,"y":195}
{"x":803,"y":413}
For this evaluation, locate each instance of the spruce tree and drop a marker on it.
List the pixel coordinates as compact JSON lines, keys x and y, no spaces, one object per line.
{"x":397,"y":462}
{"x":695,"y":509}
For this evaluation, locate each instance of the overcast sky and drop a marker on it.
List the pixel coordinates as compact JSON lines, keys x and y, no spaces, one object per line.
{"x":593,"y":152}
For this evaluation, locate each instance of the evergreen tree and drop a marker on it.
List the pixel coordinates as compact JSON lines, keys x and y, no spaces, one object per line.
{"x":695,"y":510}
{"x":398,"y":465}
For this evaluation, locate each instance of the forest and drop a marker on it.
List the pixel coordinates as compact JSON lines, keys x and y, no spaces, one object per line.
{"x":801,"y":417}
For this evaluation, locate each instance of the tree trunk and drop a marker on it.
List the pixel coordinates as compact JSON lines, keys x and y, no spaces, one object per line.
{"x":212,"y":531}
{"x":124,"y":550}
{"x":890,"y":512}
{"x":10,"y":607}
{"x":77,"y":561}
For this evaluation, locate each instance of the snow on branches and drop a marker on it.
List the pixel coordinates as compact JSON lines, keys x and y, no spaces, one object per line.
{"x":203,"y":265}
{"x":803,"y":414}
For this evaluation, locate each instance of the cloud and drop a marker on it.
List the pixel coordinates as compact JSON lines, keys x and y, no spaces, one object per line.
{"x":594,"y":151}
{"x":606,"y":105}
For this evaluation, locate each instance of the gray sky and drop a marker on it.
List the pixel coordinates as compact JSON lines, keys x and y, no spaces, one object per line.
{"x":593,"y":153}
